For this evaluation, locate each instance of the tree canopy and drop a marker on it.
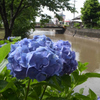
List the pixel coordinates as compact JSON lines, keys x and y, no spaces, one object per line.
{"x":90,"y":13}
{"x":16,"y":10}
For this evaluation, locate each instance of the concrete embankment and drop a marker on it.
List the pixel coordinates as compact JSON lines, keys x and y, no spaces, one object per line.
{"x":94,"y":33}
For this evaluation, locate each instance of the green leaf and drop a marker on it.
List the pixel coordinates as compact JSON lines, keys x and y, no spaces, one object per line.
{"x":56,"y":81}
{"x":7,"y":86}
{"x":31,"y":98}
{"x":47,"y":94}
{"x":2,"y":84}
{"x":75,"y":76}
{"x":1,"y":42}
{"x":66,"y":79}
{"x":45,"y":83}
{"x":3,"y":64}
{"x":92,"y":95}
{"x":8,"y":95}
{"x":81,"y":90}
{"x":4,"y":73}
{"x":82,"y":66}
{"x":92,"y":75}
{"x":34,"y":95}
{"x":79,"y":79}
{"x":4,"y":51}
{"x":38,"y":90}
{"x":80,"y":96}
{"x":55,"y":98}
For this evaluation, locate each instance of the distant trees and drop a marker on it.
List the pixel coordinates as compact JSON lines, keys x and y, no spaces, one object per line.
{"x":17,"y":14}
{"x":91,"y":13}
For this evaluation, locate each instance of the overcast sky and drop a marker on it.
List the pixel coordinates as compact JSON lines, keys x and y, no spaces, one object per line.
{"x":68,"y":14}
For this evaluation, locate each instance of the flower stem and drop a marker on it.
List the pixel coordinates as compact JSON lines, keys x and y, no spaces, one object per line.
{"x":27,"y":89}
{"x":43,"y":92}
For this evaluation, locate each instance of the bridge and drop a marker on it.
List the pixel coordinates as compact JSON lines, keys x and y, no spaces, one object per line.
{"x":58,"y":28}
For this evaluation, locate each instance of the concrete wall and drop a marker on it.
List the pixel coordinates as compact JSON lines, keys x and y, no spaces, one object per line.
{"x":85,"y":32}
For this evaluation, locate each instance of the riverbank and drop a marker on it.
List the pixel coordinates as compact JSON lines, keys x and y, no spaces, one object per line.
{"x":95,"y":39}
{"x":87,"y":48}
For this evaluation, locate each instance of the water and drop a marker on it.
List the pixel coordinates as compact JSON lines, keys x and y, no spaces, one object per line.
{"x":86,"y":51}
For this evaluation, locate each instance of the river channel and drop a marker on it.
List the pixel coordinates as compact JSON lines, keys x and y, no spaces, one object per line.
{"x":86,"y":51}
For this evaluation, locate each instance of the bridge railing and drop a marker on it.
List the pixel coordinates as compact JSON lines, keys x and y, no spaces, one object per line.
{"x":48,"y":25}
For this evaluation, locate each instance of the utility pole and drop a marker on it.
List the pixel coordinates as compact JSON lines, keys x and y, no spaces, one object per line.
{"x":74,"y":12}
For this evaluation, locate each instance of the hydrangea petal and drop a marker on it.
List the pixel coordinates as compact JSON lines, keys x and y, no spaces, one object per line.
{"x":41,"y":77}
{"x":32,"y":72}
{"x":20,"y":74}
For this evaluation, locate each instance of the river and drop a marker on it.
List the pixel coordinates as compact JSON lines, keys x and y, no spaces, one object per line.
{"x":86,"y":51}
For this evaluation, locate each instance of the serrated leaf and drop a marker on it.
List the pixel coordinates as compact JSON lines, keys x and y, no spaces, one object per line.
{"x":79,"y":79}
{"x":82,"y":66}
{"x":92,"y":95}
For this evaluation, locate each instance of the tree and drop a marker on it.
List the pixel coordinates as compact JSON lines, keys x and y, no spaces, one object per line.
{"x":10,"y":10}
{"x":90,"y":13}
{"x":24,"y":22}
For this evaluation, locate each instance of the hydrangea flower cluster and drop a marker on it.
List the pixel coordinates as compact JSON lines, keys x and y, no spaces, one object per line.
{"x":40,"y":58}
{"x":98,"y":98}
{"x":10,"y":38}
{"x":3,"y":45}
{"x":63,"y":50}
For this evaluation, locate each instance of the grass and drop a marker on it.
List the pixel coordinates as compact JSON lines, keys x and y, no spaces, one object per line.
{"x":2,"y":33}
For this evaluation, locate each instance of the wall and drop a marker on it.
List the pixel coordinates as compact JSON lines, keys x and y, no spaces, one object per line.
{"x":85,"y":32}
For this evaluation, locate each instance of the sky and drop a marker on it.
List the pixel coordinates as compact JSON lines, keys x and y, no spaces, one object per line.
{"x":78,"y":5}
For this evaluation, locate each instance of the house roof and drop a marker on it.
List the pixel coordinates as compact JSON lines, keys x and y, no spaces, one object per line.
{"x":67,"y":21}
{"x":76,"y":18}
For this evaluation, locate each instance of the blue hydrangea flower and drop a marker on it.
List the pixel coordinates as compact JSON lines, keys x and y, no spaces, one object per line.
{"x":63,"y":50}
{"x":0,"y":46}
{"x":12,"y":37}
{"x":98,"y":98}
{"x":32,"y":58}
{"x":39,"y":58}
{"x":43,"y":40}
{"x":42,"y":64}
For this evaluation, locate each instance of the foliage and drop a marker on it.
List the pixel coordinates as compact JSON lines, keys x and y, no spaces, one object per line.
{"x":5,"y":49}
{"x":55,"y":88}
{"x":13,"y":11}
{"x":77,"y":25}
{"x":24,"y":23}
{"x":98,"y":22}
{"x":90,"y":13}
